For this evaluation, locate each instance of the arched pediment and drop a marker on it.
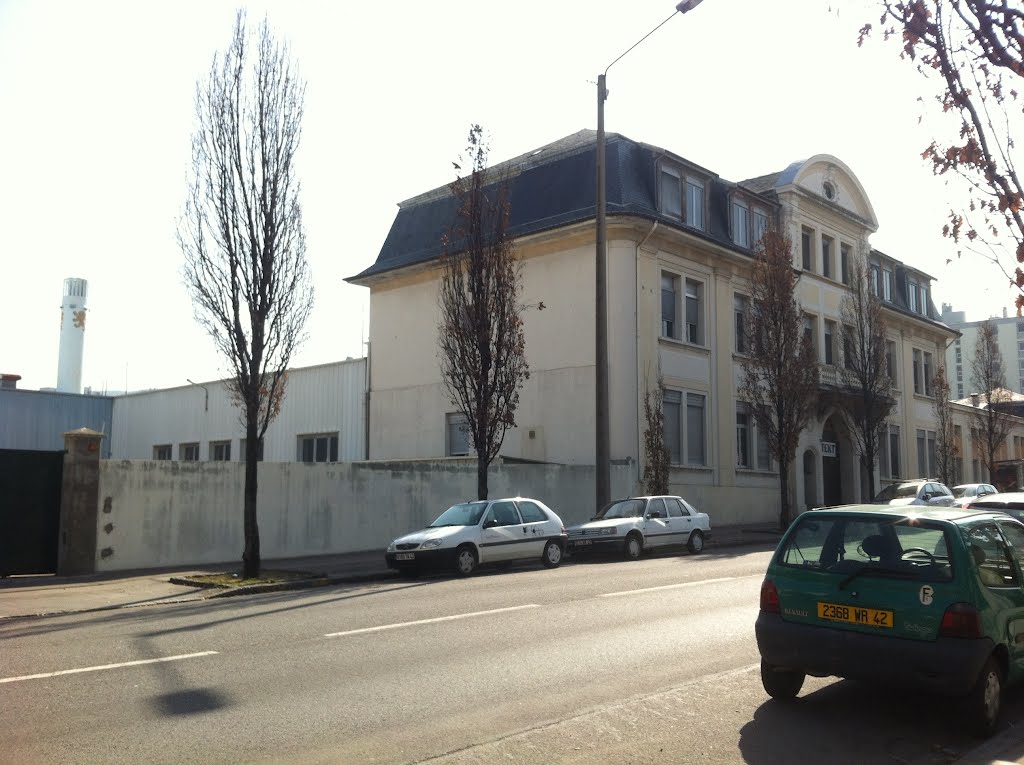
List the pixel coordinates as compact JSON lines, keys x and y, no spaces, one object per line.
{"x":828,"y":178}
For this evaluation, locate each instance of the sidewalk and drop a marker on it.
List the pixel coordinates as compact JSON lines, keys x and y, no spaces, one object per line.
{"x":49,"y":595}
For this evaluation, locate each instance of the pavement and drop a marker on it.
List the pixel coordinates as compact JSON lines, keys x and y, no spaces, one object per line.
{"x":33,"y":596}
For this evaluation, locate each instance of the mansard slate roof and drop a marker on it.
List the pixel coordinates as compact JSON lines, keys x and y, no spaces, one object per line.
{"x":551,"y":187}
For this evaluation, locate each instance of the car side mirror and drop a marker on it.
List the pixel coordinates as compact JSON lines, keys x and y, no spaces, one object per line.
{"x":490,"y":524}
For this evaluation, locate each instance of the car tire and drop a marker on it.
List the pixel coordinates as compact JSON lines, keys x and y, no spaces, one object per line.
{"x":696,"y":543}
{"x":781,"y":684}
{"x":552,"y":555}
{"x":985,"y":699}
{"x":465,"y":560}
{"x":634,"y":547}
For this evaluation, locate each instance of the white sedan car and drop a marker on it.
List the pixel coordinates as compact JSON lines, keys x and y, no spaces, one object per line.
{"x":473,"y":533}
{"x":642,"y":523}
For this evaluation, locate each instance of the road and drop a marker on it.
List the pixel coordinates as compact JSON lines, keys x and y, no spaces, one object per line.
{"x":609,"y":662}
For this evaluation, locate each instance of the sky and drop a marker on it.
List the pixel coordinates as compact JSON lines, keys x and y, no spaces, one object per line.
{"x":97,"y":115}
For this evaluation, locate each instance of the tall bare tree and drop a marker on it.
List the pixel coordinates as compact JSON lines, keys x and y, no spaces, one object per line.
{"x":865,"y":370}
{"x":657,"y":458}
{"x":242,"y":234}
{"x":780,"y":372}
{"x":972,"y":50}
{"x":947,"y":445}
{"x":481,"y":339}
{"x":988,"y":378}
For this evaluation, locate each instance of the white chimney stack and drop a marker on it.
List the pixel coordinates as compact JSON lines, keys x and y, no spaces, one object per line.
{"x":72,"y":336}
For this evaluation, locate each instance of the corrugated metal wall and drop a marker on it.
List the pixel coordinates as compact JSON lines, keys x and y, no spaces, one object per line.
{"x":32,"y":419}
{"x":329,"y":398}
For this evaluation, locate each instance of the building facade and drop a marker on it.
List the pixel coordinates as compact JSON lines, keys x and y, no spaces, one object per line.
{"x":680,"y":248}
{"x":1010,"y":338}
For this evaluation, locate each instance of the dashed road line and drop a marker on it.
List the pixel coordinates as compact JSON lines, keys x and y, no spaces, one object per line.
{"x":100,"y":667}
{"x":430,"y":621}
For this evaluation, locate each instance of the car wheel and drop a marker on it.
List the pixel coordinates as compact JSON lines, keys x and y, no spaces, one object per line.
{"x":634,"y":547}
{"x":465,"y":560}
{"x":552,"y":556}
{"x":781,"y":684}
{"x":696,"y":543}
{"x":985,"y":699}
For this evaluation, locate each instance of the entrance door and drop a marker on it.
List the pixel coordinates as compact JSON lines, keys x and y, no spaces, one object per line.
{"x":832,"y":479}
{"x":30,"y":488}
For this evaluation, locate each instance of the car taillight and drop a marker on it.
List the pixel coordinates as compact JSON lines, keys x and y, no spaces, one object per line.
{"x":961,"y":620}
{"x":769,"y":597}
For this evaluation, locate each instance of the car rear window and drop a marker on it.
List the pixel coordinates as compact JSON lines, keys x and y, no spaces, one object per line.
{"x":905,"y":548}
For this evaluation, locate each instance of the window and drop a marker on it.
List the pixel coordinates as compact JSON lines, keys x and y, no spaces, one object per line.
{"x":319,"y":447}
{"x":811,"y":332}
{"x":457,"y":440}
{"x":674,"y":507}
{"x":890,"y":360}
{"x":684,"y":427}
{"x":242,"y":446}
{"x":875,"y":276}
{"x":669,"y":301}
{"x":844,"y":263}
{"x":889,"y":451}
{"x":912,"y":296}
{"x":848,"y":356}
{"x":694,"y":309}
{"x":830,"y":334}
{"x":748,"y":437}
{"x":807,"y":248}
{"x":922,"y":373}
{"x":917,"y":297}
{"x":220,"y":451}
{"x":827,"y":247}
{"x":503,"y":514}
{"x":760,"y":218}
{"x":887,"y":285}
{"x":695,"y":203}
{"x":918,"y":384}
{"x":992,"y":557}
{"x":740,"y":223}
{"x":959,"y":359}
{"x":162,"y":452}
{"x":741,"y":304}
{"x":531,"y":512}
{"x":927,"y":374}
{"x":671,"y":195}
{"x":926,"y":464}
{"x":188,"y":452}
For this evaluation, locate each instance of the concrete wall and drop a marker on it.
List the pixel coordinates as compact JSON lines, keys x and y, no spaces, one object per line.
{"x":181,"y":513}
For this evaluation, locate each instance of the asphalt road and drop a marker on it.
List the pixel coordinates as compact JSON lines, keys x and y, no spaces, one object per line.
{"x":611,"y":662}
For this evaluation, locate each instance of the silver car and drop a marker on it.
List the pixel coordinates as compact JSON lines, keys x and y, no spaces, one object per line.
{"x":635,"y":524}
{"x":917,"y":492}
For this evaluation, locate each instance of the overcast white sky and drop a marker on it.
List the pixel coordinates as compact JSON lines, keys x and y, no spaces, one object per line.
{"x":97,"y":105}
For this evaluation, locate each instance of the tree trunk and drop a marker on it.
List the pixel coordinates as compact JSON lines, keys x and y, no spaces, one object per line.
{"x":869,"y":470}
{"x":784,"y":492}
{"x":481,"y":477}
{"x":251,"y":555}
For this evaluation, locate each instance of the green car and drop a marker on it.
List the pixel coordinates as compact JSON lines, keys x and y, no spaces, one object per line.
{"x":910,"y":597}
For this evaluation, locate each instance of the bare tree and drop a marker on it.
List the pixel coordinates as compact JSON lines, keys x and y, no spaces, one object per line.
{"x":242,"y":234}
{"x":972,"y":50}
{"x":657,"y":458}
{"x":988,"y":378}
{"x":481,"y":339}
{"x":865,"y":372}
{"x":780,"y":372}
{"x":947,"y":446}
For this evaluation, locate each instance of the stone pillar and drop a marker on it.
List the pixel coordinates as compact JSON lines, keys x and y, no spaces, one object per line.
{"x":76,"y":552}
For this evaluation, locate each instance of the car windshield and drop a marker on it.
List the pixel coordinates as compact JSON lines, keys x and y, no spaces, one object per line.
{"x":897,"y":491}
{"x":466,"y":514}
{"x":904,"y":548}
{"x":624,"y":508}
{"x":964,"y":491}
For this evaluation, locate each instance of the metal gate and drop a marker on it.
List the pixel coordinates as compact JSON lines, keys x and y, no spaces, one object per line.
{"x":30,"y":493}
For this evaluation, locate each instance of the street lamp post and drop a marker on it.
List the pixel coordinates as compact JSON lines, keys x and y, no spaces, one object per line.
{"x":603,"y":458}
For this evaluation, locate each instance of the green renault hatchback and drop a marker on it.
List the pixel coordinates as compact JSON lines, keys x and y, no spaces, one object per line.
{"x":911,"y":597}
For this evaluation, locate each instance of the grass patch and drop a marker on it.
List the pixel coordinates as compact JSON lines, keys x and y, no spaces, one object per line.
{"x":234,"y":579}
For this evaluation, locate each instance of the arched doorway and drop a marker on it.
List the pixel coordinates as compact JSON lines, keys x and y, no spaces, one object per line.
{"x":810,"y":480}
{"x":831,"y":469}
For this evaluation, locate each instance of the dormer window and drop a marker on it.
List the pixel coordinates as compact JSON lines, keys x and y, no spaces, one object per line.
{"x":740,"y":223}
{"x":695,"y":202}
{"x":673,"y":185}
{"x":917,"y":297}
{"x":876,"y":278}
{"x":760,"y":218}
{"x":671,"y":194}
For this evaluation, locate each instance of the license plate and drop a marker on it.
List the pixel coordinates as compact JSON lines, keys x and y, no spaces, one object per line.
{"x":581,"y":542}
{"x":872,"y":617}
{"x":405,"y":556}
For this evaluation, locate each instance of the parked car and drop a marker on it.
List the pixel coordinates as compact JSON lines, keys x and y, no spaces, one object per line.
{"x":1010,"y":502}
{"x":471,"y":534}
{"x":929,"y":599}
{"x":920,"y":491}
{"x":636,"y":524}
{"x":966,"y":493}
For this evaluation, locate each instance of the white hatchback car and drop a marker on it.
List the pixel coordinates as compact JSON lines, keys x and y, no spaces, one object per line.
{"x":642,"y":523}
{"x":486,"y":531}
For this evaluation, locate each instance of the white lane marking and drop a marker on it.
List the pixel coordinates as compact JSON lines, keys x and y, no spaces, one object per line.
{"x":106,"y":666}
{"x":431,"y":621}
{"x":676,"y":586}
